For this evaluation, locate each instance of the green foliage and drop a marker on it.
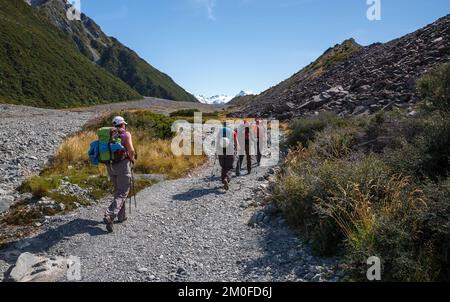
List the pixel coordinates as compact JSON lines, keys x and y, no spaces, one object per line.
{"x":153,"y":124}
{"x":428,"y":155}
{"x":302,"y":131}
{"x":184,"y":113}
{"x":40,"y":67}
{"x":434,"y":89}
{"x":40,"y":186}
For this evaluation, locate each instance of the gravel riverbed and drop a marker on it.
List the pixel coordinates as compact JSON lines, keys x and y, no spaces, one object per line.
{"x":29,"y":137}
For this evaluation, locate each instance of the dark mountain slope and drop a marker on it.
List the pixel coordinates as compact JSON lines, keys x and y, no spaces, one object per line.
{"x":112,"y":55}
{"x":358,"y":80}
{"x":40,"y":67}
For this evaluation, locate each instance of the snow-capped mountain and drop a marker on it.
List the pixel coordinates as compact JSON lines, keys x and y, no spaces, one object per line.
{"x":220,"y":99}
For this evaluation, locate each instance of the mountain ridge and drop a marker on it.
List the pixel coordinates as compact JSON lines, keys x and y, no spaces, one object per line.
{"x":40,"y":67}
{"x":110,"y":54}
{"x":363,"y":81}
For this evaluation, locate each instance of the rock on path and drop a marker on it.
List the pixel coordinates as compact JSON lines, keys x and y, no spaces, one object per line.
{"x":28,"y":138}
{"x":182,"y":230}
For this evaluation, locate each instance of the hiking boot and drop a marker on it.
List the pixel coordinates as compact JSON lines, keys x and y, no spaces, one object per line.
{"x":109,"y":224}
{"x":122,"y":220}
{"x":226,"y":185}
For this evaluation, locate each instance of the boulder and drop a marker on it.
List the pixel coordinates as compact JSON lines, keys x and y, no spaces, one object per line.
{"x":33,"y":268}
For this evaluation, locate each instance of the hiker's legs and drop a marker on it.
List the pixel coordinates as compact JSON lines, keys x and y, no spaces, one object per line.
{"x":122,"y":213}
{"x":226,"y":164}
{"x":229,"y":161}
{"x":121,"y":176}
{"x":113,"y":178}
{"x":258,"y":153}
{"x":223,"y":173}
{"x":239,"y":164}
{"x":247,"y":154}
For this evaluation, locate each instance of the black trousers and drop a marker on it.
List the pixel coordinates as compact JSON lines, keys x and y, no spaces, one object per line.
{"x":258,"y":153}
{"x":241,"y":159}
{"x":226,"y":163}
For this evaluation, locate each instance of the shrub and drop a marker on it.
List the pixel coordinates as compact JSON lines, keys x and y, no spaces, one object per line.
{"x":302,"y":131}
{"x":428,"y":155}
{"x":184,"y":112}
{"x":434,"y":89}
{"x":335,"y":143}
{"x":153,"y":124}
{"x":40,"y":186}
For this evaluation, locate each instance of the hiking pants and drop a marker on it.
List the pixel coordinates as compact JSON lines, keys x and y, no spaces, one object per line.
{"x":120,"y":175}
{"x":258,"y":153}
{"x":241,"y":159}
{"x":226,"y":163}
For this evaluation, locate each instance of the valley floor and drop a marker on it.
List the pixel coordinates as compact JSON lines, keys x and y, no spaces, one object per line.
{"x":154,"y":104}
{"x":182,"y":230}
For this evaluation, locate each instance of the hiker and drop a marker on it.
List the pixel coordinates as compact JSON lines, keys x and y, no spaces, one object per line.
{"x":225,"y":154}
{"x":120,"y":173}
{"x":243,"y":134}
{"x":260,"y":133}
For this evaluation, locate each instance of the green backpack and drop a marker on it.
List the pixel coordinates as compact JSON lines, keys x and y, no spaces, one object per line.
{"x":110,"y":145}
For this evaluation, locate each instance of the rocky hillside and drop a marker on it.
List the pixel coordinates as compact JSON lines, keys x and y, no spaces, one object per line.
{"x":241,"y":100}
{"x":353,"y":80}
{"x":40,"y":67}
{"x":112,"y":55}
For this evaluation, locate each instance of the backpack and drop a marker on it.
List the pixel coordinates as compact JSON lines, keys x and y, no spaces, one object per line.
{"x":110,"y":148}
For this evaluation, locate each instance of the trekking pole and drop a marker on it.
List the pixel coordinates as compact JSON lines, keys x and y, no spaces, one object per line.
{"x":134,"y":188}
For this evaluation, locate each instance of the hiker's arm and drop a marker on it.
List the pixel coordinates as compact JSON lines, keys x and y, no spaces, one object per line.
{"x":130,"y":147}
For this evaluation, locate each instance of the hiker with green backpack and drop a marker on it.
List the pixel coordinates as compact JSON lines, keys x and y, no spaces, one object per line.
{"x":115,"y":149}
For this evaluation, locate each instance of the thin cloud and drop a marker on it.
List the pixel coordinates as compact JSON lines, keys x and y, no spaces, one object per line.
{"x":209,"y":6}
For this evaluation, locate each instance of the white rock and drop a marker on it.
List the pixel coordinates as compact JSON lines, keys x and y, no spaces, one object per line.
{"x":142,"y":270}
{"x":32,"y":268}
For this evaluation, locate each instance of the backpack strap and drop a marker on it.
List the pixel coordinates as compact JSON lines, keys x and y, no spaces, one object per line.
{"x":110,"y":154}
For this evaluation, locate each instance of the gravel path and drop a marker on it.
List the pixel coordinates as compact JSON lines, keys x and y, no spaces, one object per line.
{"x":182,"y":230}
{"x":28,"y":139}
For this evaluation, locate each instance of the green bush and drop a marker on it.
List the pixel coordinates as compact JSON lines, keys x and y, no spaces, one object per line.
{"x":428,"y":155}
{"x":153,"y":124}
{"x":40,"y":186}
{"x":303,"y":131}
{"x":434,"y":89}
{"x":184,"y":112}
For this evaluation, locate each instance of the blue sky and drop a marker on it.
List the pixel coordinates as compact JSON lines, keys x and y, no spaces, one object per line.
{"x":225,"y":46}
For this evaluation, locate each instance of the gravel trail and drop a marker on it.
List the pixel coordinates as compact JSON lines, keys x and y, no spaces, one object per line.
{"x":182,"y":230}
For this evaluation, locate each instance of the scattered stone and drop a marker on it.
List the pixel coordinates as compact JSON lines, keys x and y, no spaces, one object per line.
{"x":142,"y":270}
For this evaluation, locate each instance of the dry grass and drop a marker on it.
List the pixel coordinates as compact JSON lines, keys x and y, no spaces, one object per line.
{"x":154,"y":155}
{"x":357,"y":212}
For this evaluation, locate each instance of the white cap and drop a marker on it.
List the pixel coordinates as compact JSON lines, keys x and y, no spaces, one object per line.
{"x":118,"y":120}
